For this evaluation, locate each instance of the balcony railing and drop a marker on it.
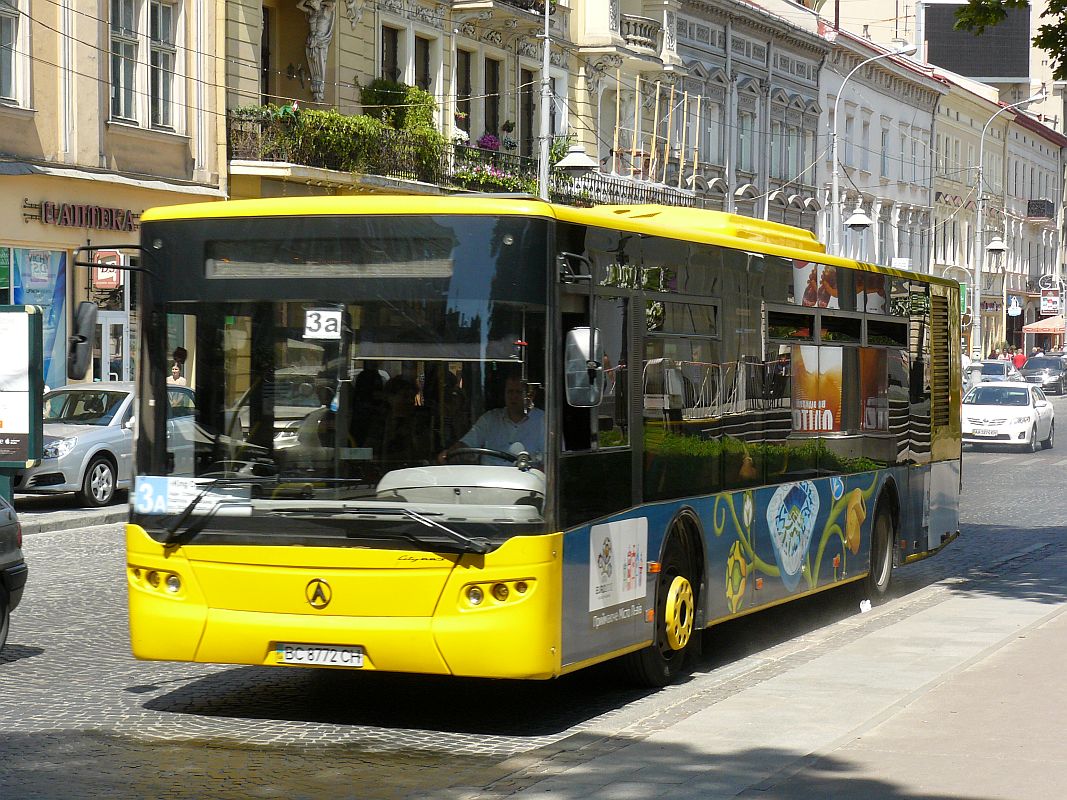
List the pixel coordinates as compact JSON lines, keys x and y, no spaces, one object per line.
{"x":641,"y":33}
{"x":406,"y":156}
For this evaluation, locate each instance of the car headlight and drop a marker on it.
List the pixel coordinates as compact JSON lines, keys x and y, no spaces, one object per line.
{"x":60,"y":447}
{"x":1020,"y":420}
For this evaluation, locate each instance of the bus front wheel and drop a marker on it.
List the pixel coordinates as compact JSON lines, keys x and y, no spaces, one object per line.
{"x":658,"y":664}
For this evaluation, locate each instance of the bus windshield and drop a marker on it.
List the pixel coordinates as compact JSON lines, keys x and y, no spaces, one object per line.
{"x":370,"y":372}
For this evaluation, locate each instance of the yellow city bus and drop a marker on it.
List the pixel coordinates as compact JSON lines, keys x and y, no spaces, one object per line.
{"x":696,"y":415}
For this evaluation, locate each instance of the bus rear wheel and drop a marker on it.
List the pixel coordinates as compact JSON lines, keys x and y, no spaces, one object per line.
{"x":882,"y":538}
{"x":676,"y":598}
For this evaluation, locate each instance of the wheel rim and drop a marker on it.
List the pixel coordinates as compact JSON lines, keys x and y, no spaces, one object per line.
{"x":678,"y":614}
{"x":101,"y":483}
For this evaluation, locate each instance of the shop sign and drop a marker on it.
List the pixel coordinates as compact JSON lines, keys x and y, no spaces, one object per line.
{"x":1050,"y":301}
{"x":1014,"y":307}
{"x":75,"y":215}
{"x":107,"y":275}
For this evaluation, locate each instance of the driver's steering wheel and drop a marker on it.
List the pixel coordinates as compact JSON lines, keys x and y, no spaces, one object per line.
{"x":481,"y":451}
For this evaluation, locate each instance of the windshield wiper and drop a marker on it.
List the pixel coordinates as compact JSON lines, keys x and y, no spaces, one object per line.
{"x":174,"y":535}
{"x":475,"y":544}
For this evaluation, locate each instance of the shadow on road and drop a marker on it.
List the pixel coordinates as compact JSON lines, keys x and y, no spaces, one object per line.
{"x":61,"y":765}
{"x":413,"y":702}
{"x":17,"y":652}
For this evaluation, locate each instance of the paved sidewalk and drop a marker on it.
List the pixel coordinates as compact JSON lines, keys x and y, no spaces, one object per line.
{"x":41,"y":514}
{"x":955,"y":692}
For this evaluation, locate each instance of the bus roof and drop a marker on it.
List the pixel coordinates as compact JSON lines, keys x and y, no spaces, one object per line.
{"x":676,"y":222}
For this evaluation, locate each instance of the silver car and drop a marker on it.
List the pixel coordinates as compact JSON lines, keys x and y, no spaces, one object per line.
{"x":88,"y":443}
{"x":88,"y":440}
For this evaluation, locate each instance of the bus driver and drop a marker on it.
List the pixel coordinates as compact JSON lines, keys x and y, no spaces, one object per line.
{"x":511,"y":429}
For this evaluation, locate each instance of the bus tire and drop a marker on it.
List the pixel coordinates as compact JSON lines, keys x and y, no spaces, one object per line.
{"x":675,"y":624}
{"x":881,"y":568}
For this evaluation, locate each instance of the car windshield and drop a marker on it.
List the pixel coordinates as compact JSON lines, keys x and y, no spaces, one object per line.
{"x":82,"y":406}
{"x":1044,"y":363}
{"x":997,"y":396}
{"x":993,"y":369}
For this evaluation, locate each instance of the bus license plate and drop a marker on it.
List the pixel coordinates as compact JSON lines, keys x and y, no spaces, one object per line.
{"x":984,"y":432}
{"x":319,"y":655}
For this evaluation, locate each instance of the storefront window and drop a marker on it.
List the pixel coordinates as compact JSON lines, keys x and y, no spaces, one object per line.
{"x":39,"y":277}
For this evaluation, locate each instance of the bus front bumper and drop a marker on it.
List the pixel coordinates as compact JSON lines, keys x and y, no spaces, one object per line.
{"x":512,"y":634}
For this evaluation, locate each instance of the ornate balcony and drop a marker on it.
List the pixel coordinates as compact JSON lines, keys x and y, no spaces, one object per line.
{"x":640,"y":33}
{"x":363,"y":153}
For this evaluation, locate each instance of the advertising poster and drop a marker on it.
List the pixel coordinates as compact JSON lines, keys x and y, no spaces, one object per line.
{"x":815,"y":285}
{"x":39,"y":278}
{"x":5,"y":275}
{"x":816,"y":389}
{"x":874,"y":389}
{"x":14,"y":388}
{"x":617,"y":555}
{"x":870,"y":292}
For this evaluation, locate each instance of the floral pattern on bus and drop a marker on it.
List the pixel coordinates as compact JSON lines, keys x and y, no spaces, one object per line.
{"x":807,"y":523}
{"x":791,"y":521}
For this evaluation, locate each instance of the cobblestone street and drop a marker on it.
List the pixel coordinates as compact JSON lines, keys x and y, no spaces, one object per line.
{"x":80,"y":712}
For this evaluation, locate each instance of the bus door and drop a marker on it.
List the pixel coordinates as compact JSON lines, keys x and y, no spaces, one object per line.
{"x":606,"y":544}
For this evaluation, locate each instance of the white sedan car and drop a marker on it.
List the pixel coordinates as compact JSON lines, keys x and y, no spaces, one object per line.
{"x":1008,"y":413}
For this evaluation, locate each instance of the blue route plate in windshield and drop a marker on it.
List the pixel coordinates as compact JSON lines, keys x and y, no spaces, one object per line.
{"x":167,"y":495}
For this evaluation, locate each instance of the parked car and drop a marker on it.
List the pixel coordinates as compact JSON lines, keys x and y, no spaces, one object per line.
{"x":13,"y":570}
{"x":88,"y":441}
{"x":1008,"y":413}
{"x":992,"y":370}
{"x":1048,"y":372}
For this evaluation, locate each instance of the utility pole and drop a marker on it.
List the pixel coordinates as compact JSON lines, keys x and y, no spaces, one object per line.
{"x":546,"y":112}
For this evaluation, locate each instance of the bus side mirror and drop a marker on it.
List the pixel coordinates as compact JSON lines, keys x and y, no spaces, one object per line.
{"x":583,"y":373}
{"x":80,"y":352}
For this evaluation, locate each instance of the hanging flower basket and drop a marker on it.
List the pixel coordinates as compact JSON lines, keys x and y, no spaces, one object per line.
{"x":488,"y":142}
{"x":508,"y":126}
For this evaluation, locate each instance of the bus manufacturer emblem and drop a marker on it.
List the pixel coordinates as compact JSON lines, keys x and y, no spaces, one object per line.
{"x":318,"y":593}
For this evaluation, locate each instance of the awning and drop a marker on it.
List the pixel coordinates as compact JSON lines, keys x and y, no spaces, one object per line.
{"x":1047,"y":325}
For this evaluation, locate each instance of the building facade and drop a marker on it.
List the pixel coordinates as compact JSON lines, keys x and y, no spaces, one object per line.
{"x":101,"y":117}
{"x":481,"y":61}
{"x":887,"y":120}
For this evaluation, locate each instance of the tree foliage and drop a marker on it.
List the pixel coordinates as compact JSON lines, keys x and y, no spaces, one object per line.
{"x":1051,"y":35}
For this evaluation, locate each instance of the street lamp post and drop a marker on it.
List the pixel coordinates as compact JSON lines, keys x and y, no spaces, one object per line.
{"x":835,"y":185}
{"x":979,"y":252}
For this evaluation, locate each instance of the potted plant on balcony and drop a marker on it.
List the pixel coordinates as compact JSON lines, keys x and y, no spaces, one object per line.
{"x":508,"y":126}
{"x":488,"y":141}
{"x":461,"y":118}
